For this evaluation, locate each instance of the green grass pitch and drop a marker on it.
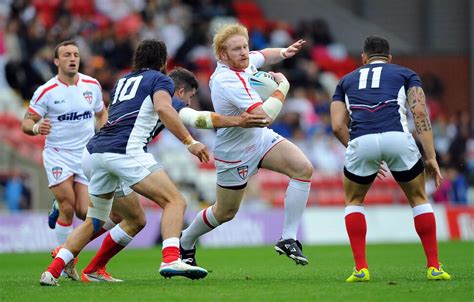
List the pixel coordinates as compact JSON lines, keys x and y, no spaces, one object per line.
{"x":254,"y":274}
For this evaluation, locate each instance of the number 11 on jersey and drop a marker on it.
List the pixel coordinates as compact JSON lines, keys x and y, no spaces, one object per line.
{"x":364,"y":73}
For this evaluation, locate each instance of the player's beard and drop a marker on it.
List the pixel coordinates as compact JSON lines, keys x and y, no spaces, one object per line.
{"x":240,"y":64}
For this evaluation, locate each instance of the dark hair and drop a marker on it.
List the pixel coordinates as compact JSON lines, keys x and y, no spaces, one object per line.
{"x":63,"y":43}
{"x":375,"y":46}
{"x":183,"y":78}
{"x":150,"y":53}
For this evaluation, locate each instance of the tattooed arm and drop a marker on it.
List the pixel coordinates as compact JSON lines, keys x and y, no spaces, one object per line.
{"x":31,"y":124}
{"x":417,"y":105}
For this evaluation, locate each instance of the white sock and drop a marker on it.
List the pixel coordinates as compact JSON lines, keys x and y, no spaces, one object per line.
{"x":62,"y":231}
{"x":172,"y":241}
{"x":204,"y":222}
{"x":296,"y":198}
{"x":422,"y":209}
{"x":120,"y":236}
{"x":354,"y":209}
{"x":65,"y":254}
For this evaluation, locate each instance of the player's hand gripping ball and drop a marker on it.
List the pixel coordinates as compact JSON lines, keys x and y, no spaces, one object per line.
{"x":263,"y":83}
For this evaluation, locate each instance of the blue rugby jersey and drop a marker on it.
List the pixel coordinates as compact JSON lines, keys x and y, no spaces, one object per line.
{"x":375,"y":96}
{"x":133,"y":121}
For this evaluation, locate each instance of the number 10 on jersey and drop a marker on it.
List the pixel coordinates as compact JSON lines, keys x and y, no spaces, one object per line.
{"x":124,"y":92}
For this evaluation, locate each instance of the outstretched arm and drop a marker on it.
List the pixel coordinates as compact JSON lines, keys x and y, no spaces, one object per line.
{"x":209,"y":120}
{"x":276,"y":55}
{"x":417,"y":105}
{"x":171,"y":120}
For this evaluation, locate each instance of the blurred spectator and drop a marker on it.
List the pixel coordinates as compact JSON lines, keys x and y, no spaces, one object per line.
{"x":108,"y":30}
{"x":459,"y":186}
{"x":119,"y":9}
{"x":14,"y":192}
{"x":434,"y":90}
{"x":280,"y":35}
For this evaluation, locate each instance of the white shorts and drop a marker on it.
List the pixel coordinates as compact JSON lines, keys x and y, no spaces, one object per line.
{"x":236,"y":172}
{"x":397,"y":149}
{"x":60,"y":164}
{"x":112,"y":172}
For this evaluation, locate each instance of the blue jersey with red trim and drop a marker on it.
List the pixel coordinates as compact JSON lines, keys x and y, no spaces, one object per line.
{"x":133,"y":120}
{"x":375,"y":96}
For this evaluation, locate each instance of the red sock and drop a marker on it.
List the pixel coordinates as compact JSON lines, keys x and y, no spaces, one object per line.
{"x":425,"y":225}
{"x":100,"y":232}
{"x":108,"y":249}
{"x":170,"y":254}
{"x":357,"y":229}
{"x":56,"y":267}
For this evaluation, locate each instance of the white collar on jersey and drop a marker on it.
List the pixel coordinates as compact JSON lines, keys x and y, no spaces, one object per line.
{"x":378,"y":62}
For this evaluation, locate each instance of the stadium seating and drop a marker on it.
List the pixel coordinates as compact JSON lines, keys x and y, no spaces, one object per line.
{"x":11,"y":134}
{"x":328,"y":190}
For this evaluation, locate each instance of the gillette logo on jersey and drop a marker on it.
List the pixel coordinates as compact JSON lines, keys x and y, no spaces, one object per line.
{"x":74,"y":116}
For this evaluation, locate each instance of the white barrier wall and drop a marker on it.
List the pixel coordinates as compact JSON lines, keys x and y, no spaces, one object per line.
{"x":28,"y":231}
{"x":384,"y":224}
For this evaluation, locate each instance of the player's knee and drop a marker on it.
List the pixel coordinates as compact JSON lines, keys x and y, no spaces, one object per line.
{"x":225,"y":215}
{"x":307,"y":170}
{"x":303,"y":170}
{"x":81,"y":213}
{"x":178,"y":202}
{"x":67,"y":210}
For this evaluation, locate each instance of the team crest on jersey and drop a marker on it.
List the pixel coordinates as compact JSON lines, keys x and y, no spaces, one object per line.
{"x":88,"y":96}
{"x":253,"y":69}
{"x":57,"y":171}
{"x":243,"y":171}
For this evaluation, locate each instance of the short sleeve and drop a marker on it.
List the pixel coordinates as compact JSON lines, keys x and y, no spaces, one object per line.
{"x":339,"y":94}
{"x":412,"y":79}
{"x":99,"y":101}
{"x":257,"y":58}
{"x":39,"y":101}
{"x":162,"y":82}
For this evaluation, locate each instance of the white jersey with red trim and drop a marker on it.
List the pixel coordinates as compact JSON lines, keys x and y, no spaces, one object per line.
{"x":71,"y":110}
{"x":232,"y":94}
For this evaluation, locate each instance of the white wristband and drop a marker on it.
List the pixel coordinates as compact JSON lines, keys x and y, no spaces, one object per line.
{"x":35,"y":129}
{"x":284,"y":86}
{"x":283,"y":53}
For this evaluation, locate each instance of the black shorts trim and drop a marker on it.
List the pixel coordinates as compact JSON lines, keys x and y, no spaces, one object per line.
{"x":408,"y":175}
{"x":362,"y":180}
{"x":234,"y":187}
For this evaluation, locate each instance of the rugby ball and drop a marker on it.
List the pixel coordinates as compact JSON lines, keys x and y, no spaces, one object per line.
{"x":263,"y":83}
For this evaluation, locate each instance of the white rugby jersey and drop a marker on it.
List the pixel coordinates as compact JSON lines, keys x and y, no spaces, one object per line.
{"x":71,"y":110}
{"x":232,"y":94}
